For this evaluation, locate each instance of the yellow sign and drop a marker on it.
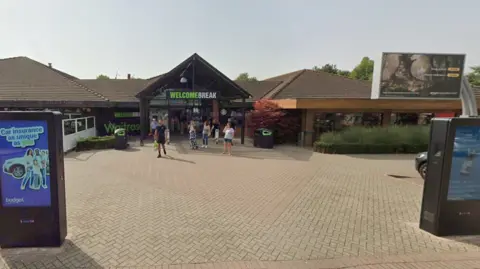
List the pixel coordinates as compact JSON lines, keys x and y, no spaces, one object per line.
{"x":453,"y":75}
{"x":454,"y":69}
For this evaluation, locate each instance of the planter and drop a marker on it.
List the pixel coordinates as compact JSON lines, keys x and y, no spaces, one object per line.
{"x":97,"y":142}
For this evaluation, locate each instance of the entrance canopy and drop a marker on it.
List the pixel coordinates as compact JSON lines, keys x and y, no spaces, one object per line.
{"x":195,"y":74}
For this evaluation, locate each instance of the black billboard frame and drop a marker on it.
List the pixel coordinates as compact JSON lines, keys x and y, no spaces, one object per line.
{"x":438,"y":215}
{"x":39,"y":226}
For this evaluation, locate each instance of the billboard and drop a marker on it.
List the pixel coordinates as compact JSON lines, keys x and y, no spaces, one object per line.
{"x":24,"y":156}
{"x":418,"y":75}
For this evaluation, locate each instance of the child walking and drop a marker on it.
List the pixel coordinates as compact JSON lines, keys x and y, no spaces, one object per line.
{"x":193,"y":136}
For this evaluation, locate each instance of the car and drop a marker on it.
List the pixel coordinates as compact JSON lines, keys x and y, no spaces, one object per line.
{"x":15,"y":167}
{"x":421,"y":164}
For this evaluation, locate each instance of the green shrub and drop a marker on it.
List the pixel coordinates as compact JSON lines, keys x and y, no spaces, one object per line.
{"x":377,"y":140}
{"x":95,"y":142}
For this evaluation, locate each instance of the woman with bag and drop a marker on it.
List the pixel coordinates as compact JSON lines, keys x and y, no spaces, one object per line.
{"x":206,"y":133}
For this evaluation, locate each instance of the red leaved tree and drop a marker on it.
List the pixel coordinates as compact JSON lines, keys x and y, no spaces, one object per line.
{"x":268,"y":114}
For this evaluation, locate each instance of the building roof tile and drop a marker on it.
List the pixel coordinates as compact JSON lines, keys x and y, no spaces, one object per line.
{"x":23,"y":79}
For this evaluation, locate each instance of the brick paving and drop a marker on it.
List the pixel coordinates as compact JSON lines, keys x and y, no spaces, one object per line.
{"x":286,"y":208}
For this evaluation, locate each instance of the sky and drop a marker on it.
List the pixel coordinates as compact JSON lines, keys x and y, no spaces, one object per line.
{"x":264,"y":37}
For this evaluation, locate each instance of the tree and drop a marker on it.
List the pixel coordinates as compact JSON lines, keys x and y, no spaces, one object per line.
{"x":332,"y":69}
{"x":364,"y":70}
{"x":344,"y":73}
{"x":474,"y":76}
{"x":246,"y":77}
{"x":101,"y":76}
{"x":267,"y":114}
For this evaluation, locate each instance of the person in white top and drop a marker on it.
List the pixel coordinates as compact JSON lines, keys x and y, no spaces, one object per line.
{"x":43,"y":168}
{"x":37,"y":176}
{"x":206,"y":133}
{"x":228,"y":138}
{"x":29,"y":169}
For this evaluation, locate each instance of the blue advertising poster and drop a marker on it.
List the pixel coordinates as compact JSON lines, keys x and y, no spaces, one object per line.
{"x":25,"y":176}
{"x":465,"y":170}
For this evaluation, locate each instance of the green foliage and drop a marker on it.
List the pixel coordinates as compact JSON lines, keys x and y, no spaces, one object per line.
{"x":95,"y":142}
{"x":474,"y":76}
{"x":332,"y":69}
{"x":394,"y":139}
{"x":364,"y":70}
{"x":101,"y":76}
{"x":246,"y":77}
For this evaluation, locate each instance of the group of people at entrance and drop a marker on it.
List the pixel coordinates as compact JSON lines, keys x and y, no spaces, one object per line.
{"x":210,"y":129}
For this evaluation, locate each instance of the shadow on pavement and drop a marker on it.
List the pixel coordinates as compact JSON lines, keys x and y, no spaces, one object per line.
{"x":167,"y":157}
{"x":470,"y":239}
{"x":385,"y":157}
{"x":280,"y":152}
{"x":69,"y":256}
{"x":131,"y":149}
{"x":81,"y":155}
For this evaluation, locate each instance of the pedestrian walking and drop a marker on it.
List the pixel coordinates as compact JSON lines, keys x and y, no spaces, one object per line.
{"x":206,"y":132}
{"x":160,"y":138}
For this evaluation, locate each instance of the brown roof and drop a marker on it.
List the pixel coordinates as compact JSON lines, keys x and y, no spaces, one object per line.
{"x":116,"y":90}
{"x":258,"y":89}
{"x":206,"y":75}
{"x":317,"y":84}
{"x":24,"y":79}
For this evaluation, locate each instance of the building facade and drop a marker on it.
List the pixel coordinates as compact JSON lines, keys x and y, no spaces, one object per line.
{"x":322,"y":101}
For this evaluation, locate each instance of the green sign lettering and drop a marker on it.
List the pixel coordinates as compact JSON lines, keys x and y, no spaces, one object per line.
{"x":192,"y":95}
{"x":111,"y":127}
{"x":127,"y":114}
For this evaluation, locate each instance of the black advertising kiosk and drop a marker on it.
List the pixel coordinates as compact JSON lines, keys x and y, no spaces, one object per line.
{"x":32,"y":185}
{"x":451,"y":193}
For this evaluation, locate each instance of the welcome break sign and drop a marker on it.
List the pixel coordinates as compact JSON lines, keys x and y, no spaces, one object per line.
{"x":192,"y":95}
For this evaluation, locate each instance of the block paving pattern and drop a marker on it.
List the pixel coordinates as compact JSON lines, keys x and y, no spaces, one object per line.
{"x":283,"y":208}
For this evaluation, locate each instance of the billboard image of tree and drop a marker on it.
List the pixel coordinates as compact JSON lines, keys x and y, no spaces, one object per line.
{"x":416,"y":75}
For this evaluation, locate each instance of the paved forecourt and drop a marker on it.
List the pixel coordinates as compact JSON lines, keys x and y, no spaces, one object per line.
{"x":258,"y":208}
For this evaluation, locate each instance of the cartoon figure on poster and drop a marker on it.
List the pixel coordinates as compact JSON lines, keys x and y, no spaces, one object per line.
{"x":25,"y":178}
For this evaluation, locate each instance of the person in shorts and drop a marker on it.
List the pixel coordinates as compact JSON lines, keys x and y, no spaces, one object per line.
{"x":228,"y":138}
{"x":231,"y":121}
{"x":160,"y":138}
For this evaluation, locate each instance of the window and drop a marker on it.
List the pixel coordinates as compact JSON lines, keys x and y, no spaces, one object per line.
{"x":81,"y":124}
{"x":68,"y":127}
{"x":90,"y":122}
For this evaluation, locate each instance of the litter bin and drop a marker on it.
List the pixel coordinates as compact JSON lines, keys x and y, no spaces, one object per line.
{"x":263,"y":138}
{"x":120,"y":138}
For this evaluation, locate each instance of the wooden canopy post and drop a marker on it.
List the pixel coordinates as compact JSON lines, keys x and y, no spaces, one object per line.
{"x":144,"y":108}
{"x":242,"y":131}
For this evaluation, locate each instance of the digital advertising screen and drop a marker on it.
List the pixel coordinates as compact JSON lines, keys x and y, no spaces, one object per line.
{"x":465,"y":167}
{"x":419,"y":75}
{"x":25,"y":176}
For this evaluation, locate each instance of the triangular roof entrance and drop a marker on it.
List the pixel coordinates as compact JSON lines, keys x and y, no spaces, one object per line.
{"x":198,"y":73}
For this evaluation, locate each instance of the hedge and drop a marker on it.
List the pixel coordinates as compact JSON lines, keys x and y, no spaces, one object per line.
{"x":377,"y":140}
{"x":95,"y":142}
{"x":368,"y":149}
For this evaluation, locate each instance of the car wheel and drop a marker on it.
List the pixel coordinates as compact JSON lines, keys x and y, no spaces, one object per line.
{"x":18,"y":171}
{"x":423,"y":170}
